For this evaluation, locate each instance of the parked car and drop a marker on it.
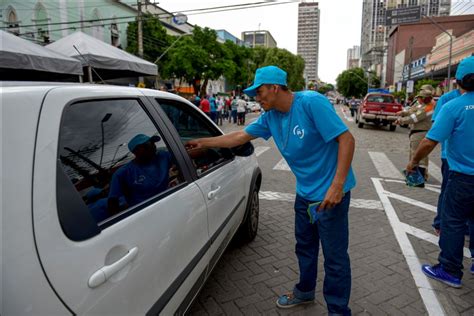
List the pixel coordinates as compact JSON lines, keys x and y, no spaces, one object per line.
{"x":378,"y":109}
{"x":66,"y":153}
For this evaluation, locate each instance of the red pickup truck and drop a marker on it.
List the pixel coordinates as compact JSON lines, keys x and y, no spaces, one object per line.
{"x":378,"y":109}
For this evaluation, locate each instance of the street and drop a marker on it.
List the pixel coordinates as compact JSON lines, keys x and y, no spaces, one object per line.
{"x":390,"y":237}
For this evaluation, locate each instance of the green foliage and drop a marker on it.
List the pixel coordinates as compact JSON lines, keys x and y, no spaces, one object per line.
{"x":421,"y":82}
{"x":325,"y":88}
{"x":354,"y":82}
{"x":155,"y":42}
{"x":292,"y":64}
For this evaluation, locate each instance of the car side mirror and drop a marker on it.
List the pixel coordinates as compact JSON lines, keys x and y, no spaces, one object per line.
{"x":244,"y":150}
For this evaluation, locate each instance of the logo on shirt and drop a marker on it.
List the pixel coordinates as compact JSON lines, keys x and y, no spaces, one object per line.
{"x":298,"y":131}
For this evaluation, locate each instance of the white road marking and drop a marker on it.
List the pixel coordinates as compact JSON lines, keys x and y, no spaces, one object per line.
{"x":411,"y":201}
{"x":430,"y":187}
{"x":282,"y":165}
{"x":289,"y":197}
{"x":427,"y":293}
{"x":343,"y":110}
{"x":260,"y":150}
{"x":421,"y":234}
{"x":384,"y":166}
{"x":435,"y":171}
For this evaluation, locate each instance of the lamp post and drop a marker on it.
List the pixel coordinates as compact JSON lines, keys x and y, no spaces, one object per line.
{"x":104,"y":119}
{"x":115,"y":154}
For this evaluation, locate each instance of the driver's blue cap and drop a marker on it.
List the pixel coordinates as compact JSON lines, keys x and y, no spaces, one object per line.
{"x":141,"y":139}
{"x":266,"y":75}
{"x":465,"y":67}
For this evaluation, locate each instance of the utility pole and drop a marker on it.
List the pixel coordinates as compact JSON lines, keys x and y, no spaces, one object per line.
{"x":140,"y":34}
{"x":410,"y":54}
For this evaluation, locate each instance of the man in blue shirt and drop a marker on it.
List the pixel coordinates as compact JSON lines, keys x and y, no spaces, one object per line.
{"x":142,"y":178}
{"x":455,"y":125}
{"x":319,"y":150}
{"x":445,"y":98}
{"x":213,"y":105}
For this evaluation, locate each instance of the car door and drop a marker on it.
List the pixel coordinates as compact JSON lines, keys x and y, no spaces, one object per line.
{"x":219,"y":174}
{"x":109,"y":253}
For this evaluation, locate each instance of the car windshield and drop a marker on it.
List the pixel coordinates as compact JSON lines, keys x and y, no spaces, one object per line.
{"x":380,"y":98}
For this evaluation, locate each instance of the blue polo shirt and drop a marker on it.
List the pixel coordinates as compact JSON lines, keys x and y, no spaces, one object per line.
{"x":138,"y":183}
{"x":306,"y":137}
{"x":445,"y":98}
{"x":212,"y":102}
{"x":455,"y":124}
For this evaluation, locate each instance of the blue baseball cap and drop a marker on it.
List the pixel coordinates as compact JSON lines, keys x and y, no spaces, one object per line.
{"x":266,"y":75}
{"x":465,"y":67}
{"x":141,"y":139}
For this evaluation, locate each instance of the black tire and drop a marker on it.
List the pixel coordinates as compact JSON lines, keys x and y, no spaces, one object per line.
{"x":393,"y":127}
{"x":360,"y":125}
{"x":248,"y":229}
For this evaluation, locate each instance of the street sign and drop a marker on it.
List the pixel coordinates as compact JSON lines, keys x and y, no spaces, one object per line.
{"x":402,"y":16}
{"x":410,"y":86}
{"x":180,"y":19}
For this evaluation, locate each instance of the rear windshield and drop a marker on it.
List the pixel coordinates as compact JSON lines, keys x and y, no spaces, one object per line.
{"x":380,"y":98}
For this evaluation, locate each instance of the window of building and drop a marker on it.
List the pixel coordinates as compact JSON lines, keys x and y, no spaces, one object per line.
{"x":42,"y":23}
{"x":114,"y":35}
{"x":13,"y":23}
{"x":114,"y":158}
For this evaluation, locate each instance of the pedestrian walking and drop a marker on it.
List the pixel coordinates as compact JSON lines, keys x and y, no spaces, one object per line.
{"x":220,"y":110}
{"x":353,"y":105}
{"x":318,"y":148}
{"x":418,"y":116}
{"x":205,"y":106}
{"x":455,"y":124}
{"x":241,"y":108}
{"x":213,"y":107}
{"x":233,"y":107}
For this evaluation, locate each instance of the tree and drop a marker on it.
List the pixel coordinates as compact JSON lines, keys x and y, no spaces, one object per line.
{"x":155,"y":42}
{"x":422,"y":82}
{"x":325,"y":88}
{"x":292,"y":64}
{"x":197,"y":59}
{"x":241,"y":57}
{"x":354,"y":82}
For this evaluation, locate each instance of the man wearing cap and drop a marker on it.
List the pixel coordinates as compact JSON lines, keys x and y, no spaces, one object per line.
{"x":141,"y":178}
{"x":454,"y":124}
{"x":319,"y":149}
{"x":418,"y":117}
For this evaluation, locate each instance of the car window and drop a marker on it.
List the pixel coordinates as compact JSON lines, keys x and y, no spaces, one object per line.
{"x":114,"y":156}
{"x":190,"y":124}
{"x":380,"y":98}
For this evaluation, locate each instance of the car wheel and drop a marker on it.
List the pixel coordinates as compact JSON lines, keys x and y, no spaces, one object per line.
{"x":393,"y":127}
{"x":360,"y":125}
{"x":248,"y":229}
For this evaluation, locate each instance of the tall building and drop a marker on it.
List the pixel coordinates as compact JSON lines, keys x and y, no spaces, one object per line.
{"x":353,"y":57}
{"x":258,"y":38}
{"x":308,"y":38}
{"x":374,"y":33}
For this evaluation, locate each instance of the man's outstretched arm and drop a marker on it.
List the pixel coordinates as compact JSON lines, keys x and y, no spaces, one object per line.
{"x":224,"y":141}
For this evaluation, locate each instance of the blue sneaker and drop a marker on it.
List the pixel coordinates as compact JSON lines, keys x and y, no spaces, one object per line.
{"x":437,"y":272}
{"x":289,"y":300}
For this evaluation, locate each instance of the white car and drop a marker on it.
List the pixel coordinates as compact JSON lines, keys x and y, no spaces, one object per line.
{"x":82,"y":233}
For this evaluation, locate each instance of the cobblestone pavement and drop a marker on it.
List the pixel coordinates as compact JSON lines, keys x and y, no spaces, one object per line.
{"x":249,"y":278}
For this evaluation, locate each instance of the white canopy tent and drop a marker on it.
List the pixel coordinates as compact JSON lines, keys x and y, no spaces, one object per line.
{"x":21,"y":59}
{"x":107,"y":60}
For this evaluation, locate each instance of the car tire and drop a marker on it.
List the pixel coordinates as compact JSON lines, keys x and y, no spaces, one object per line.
{"x":392,"y":127}
{"x":248,"y":229}
{"x":360,"y":125}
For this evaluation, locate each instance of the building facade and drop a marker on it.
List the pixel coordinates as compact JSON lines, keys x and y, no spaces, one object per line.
{"x":353,"y":57}
{"x":258,"y":38}
{"x":308,"y":38}
{"x":374,"y":33}
{"x":425,"y":36}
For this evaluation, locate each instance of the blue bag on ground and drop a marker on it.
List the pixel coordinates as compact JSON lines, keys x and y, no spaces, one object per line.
{"x":313,"y":212}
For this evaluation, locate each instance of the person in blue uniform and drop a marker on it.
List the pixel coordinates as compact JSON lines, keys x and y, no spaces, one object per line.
{"x":455,"y":125}
{"x":319,"y":148}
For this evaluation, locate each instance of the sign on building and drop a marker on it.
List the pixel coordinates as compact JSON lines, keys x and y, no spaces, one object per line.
{"x":403,"y":15}
{"x":399,"y":86}
{"x":410,"y":84}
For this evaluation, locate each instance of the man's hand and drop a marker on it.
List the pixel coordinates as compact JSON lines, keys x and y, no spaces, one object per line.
{"x":193,"y":144}
{"x":333,"y":196}
{"x":410,"y":167}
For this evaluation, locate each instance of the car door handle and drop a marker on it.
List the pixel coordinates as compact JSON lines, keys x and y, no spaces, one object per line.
{"x":212,"y":194}
{"x":104,"y":273}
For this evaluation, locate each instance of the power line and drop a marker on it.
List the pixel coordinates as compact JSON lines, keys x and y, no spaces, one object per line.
{"x":472,"y":5}
{"x":199,"y":11}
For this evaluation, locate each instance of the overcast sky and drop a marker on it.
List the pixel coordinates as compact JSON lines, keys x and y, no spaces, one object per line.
{"x":339,"y":26}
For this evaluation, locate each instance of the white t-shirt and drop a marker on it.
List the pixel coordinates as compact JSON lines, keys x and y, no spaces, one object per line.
{"x":241,"y":106}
